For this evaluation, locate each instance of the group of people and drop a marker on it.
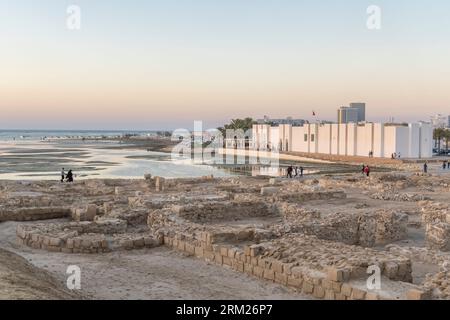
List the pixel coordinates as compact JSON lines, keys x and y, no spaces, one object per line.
{"x":66,"y":177}
{"x":294,"y":172}
{"x":365,"y":170}
{"x":446,"y":165}
{"x":396,"y":155}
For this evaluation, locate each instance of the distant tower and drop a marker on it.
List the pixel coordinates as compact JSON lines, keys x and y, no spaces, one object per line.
{"x":361,"y":107}
{"x":348,"y":115}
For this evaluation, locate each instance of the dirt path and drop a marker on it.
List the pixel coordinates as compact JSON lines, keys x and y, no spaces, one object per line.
{"x":148,"y":274}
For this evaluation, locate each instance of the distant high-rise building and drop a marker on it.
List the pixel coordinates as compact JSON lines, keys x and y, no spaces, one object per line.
{"x":348,"y":115}
{"x":361,"y":110}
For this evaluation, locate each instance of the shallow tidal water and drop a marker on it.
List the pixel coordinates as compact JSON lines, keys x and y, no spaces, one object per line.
{"x":43,"y":160}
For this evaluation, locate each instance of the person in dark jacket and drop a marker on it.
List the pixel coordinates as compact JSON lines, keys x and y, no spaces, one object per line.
{"x":69,"y":176}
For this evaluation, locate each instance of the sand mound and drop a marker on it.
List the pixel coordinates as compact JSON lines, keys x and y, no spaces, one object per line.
{"x":19,"y":280}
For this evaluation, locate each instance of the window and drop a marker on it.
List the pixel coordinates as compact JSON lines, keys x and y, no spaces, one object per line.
{"x":306,"y":137}
{"x":312,"y":137}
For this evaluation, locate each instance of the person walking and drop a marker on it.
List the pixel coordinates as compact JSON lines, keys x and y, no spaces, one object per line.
{"x":425,"y":167}
{"x":444,"y":164}
{"x":69,"y":176}
{"x":301,"y":171}
{"x":367,"y":171}
{"x":63,"y":175}
{"x":289,"y":172}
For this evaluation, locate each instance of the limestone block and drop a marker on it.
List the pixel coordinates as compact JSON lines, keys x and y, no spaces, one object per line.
{"x":391,"y":270}
{"x":346,"y":290}
{"x":268,"y":191}
{"x":319,"y":292}
{"x":335,"y":274}
{"x":91,"y":212}
{"x":372,"y":296}
{"x":139,"y":243}
{"x":294,"y":282}
{"x":358,"y":294}
{"x":329,"y":295}
{"x":227,"y":261}
{"x":159,"y":184}
{"x":308,"y":287}
{"x":415,"y":294}
{"x":269,"y":274}
{"x":280,"y":278}
{"x":340,"y":296}
{"x":258,"y":271}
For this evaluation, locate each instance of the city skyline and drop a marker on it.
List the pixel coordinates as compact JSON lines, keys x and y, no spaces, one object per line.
{"x":149,"y":65}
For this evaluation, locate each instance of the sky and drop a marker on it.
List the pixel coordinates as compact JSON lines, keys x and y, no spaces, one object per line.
{"x":161,"y":64}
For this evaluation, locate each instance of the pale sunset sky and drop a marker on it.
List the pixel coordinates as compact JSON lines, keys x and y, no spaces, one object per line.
{"x":161,"y":64}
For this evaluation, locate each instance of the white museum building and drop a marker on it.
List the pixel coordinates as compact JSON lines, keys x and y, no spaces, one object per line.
{"x":414,"y":140}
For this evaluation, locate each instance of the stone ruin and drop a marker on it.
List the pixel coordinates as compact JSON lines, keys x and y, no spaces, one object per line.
{"x":309,"y":235}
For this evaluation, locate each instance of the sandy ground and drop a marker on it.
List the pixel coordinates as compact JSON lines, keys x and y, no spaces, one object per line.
{"x":20,"y":280}
{"x":148,"y":274}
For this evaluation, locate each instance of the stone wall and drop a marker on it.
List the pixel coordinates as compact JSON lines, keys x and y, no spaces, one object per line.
{"x":262,"y":261}
{"x":34,"y":214}
{"x":438,"y":236}
{"x":84,"y":237}
{"x":222,"y":211}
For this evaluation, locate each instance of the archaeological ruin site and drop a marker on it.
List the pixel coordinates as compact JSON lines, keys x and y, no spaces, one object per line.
{"x":316,"y":237}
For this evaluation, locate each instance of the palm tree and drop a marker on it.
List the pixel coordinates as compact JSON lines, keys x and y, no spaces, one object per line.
{"x":238,"y":124}
{"x":446,"y":137}
{"x":438,"y":134}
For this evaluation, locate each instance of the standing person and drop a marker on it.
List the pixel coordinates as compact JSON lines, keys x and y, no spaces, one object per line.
{"x":367,"y":170}
{"x":289,"y":172}
{"x":425,"y":167}
{"x":399,"y":155}
{"x":444,"y":164}
{"x":363,"y":170}
{"x":63,"y":175}
{"x":296,"y":172}
{"x":69,"y":177}
{"x":301,"y":171}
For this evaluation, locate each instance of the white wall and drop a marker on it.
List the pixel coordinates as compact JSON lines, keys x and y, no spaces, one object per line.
{"x":343,"y":139}
{"x":274,"y":138}
{"x":378,"y":140}
{"x":402,"y":141}
{"x":414,"y":141}
{"x":313,"y":138}
{"x":334,"y":139}
{"x":389,"y":141}
{"x":324,"y":139}
{"x":426,"y":140}
{"x":364,"y":139}
{"x":297,"y":139}
{"x":351,"y":139}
